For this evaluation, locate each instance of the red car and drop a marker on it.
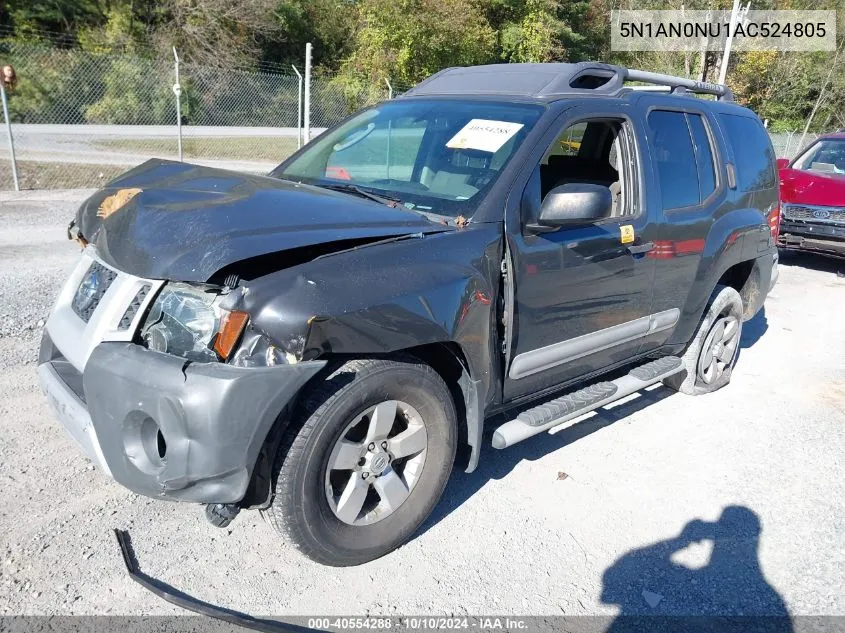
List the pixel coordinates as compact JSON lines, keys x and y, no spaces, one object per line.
{"x":812,"y":191}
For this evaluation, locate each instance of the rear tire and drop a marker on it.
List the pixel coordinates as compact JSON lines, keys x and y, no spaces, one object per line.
{"x":710,"y":356}
{"x":364,"y":461}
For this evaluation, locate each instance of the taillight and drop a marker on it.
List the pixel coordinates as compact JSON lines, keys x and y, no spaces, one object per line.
{"x":774,"y":222}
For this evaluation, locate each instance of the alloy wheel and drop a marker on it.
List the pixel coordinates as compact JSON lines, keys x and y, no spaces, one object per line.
{"x":375,"y":463}
{"x":719,"y":349}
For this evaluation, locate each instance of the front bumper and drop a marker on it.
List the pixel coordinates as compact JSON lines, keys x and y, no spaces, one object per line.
{"x":824,"y":238}
{"x":165,"y":427}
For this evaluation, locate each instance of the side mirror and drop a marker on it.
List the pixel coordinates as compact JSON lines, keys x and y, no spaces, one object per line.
{"x":783,"y":163}
{"x":573,"y":203}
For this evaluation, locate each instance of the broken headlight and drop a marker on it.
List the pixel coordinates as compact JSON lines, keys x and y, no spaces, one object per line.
{"x":183,"y":321}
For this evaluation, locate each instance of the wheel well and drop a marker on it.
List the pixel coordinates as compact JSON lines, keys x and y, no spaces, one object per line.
{"x":743,"y":277}
{"x":448,"y":360}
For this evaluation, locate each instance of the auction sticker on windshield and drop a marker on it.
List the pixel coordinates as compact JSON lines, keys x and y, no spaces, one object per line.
{"x":484,"y":135}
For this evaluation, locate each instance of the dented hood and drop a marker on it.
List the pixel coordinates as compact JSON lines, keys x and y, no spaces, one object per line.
{"x":176,"y":221}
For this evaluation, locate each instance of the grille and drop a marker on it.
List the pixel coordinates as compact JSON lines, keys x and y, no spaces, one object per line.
{"x":91,"y":289}
{"x":810,"y":213}
{"x":133,"y":308}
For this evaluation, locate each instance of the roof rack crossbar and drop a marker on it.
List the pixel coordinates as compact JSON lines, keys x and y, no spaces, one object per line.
{"x":722,"y":92}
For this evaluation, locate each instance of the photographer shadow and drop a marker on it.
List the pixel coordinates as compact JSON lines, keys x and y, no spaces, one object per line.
{"x":657,"y":592}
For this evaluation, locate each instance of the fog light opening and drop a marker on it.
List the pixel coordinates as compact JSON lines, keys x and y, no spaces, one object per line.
{"x":144,"y":443}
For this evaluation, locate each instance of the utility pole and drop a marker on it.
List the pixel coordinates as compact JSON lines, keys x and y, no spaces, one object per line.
{"x":702,"y":71}
{"x":307,"y":114}
{"x":177,"y":90}
{"x":9,"y":133}
{"x":736,"y":16}
{"x":298,"y":110}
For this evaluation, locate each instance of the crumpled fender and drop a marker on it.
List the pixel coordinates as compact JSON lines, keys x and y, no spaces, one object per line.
{"x":383,"y":298}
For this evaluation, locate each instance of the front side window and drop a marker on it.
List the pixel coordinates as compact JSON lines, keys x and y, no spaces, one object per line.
{"x":827,"y":156}
{"x":436,"y":156}
{"x":591,"y":152}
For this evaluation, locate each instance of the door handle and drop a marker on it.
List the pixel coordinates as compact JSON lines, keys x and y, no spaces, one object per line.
{"x":638,"y":249}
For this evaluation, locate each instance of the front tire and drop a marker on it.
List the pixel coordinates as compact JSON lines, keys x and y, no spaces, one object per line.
{"x":710,"y":356}
{"x":364,"y":461}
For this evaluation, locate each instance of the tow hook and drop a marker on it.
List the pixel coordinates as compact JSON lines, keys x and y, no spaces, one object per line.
{"x":221,"y":514}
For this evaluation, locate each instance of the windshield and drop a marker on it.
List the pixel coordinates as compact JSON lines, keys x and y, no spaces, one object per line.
{"x":826,"y":156}
{"x":430,"y":156}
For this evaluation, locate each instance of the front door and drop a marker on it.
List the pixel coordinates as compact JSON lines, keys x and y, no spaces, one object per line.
{"x":582,"y":294}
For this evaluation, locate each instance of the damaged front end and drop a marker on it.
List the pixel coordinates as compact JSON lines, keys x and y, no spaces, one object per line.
{"x":137,"y":372}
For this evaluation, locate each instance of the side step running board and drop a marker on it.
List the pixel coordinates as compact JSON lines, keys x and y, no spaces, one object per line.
{"x":554,"y":412}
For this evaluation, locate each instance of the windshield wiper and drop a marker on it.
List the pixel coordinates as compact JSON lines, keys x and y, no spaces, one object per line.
{"x":390,"y":201}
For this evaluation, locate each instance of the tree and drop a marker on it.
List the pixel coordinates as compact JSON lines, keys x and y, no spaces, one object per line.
{"x":536,"y":36}
{"x":407,"y":40}
{"x":328,"y":24}
{"x":32,"y":19}
{"x":221,"y":33}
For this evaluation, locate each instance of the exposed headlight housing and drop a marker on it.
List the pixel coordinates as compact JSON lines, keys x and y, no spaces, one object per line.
{"x":184,"y":320}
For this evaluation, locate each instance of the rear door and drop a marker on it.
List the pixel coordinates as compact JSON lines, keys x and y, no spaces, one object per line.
{"x":687,"y":167}
{"x":582,"y":293}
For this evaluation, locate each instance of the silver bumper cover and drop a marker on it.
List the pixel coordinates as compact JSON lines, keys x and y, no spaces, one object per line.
{"x":72,"y":415}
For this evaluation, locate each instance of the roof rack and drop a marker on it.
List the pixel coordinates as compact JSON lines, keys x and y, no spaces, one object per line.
{"x":679,"y":84}
{"x":556,"y":80}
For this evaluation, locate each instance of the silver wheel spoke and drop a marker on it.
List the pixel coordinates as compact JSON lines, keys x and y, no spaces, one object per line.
{"x":726,"y":354}
{"x":352,"y":499}
{"x":391,"y":489}
{"x":708,"y":359}
{"x":708,"y":374}
{"x":346,"y":455}
{"x":718,"y":331}
{"x":731,"y":326}
{"x":409,"y":442}
{"x":381,"y":421}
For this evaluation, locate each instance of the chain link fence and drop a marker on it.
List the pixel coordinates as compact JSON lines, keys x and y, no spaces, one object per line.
{"x":79,"y":119}
{"x":790,"y":144}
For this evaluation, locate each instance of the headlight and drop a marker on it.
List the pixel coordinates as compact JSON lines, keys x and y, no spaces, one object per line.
{"x":183,"y":321}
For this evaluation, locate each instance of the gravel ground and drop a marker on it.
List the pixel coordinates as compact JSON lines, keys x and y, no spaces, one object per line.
{"x":652,"y":506}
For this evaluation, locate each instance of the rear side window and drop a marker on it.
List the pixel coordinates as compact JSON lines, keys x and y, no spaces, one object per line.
{"x":673,"y":153}
{"x":753,"y":152}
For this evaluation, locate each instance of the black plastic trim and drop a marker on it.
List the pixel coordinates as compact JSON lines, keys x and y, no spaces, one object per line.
{"x":189,"y":603}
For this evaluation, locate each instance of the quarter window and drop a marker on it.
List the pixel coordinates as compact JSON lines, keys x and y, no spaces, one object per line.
{"x":753,"y":152}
